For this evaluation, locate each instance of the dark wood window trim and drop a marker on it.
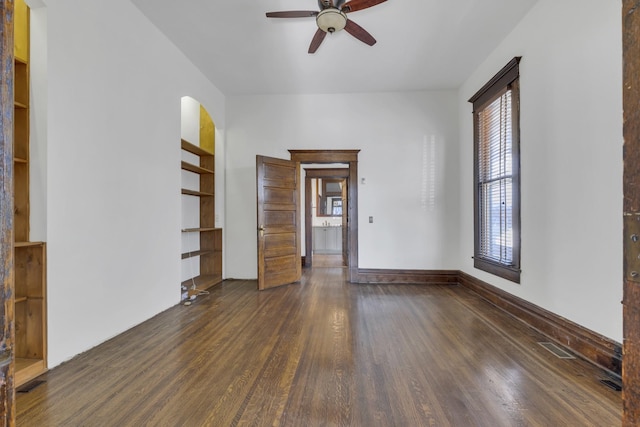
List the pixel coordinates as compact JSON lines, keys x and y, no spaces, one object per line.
{"x":506,"y":79}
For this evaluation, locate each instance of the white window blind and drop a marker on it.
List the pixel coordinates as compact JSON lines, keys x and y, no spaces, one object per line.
{"x":495,"y":180}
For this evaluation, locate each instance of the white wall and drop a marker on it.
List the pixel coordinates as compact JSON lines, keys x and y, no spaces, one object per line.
{"x":113,"y":179}
{"x":38,"y":123}
{"x":190,"y":120}
{"x":571,"y":154}
{"x":408,"y":158}
{"x":113,"y":170}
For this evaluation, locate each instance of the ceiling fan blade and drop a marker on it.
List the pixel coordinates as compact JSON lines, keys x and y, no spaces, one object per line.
{"x":292,"y":14}
{"x":317,"y":39}
{"x":355,"y":5}
{"x":360,"y":33}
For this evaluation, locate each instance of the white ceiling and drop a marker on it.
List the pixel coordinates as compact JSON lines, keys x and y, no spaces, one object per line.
{"x":422,"y":44}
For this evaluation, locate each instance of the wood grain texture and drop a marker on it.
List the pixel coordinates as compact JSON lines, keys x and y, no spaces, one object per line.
{"x":325,"y":352}
{"x":631,"y":98}
{"x":432,"y":277}
{"x":278,"y":216}
{"x":324,"y":156}
{"x":631,"y":131}
{"x":7,"y":364}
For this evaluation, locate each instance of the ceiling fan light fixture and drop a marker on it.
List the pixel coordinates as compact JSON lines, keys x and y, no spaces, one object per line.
{"x":331,"y":20}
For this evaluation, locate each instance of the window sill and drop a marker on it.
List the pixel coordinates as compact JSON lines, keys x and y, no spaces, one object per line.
{"x":506,"y":272}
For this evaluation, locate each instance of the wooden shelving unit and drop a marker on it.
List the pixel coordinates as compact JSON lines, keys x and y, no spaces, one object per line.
{"x":29,"y":257}
{"x":30,"y":311}
{"x":210,"y":237}
{"x":21,"y":141}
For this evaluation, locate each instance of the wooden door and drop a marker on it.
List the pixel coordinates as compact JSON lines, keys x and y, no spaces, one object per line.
{"x":278,"y":196}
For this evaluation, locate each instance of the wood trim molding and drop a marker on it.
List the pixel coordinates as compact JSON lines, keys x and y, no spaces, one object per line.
{"x":590,"y":345}
{"x":327,"y":173}
{"x":631,"y":209}
{"x":506,"y":75}
{"x":430,"y":277}
{"x":7,"y":271}
{"x":349,"y":157}
{"x":324,"y":156}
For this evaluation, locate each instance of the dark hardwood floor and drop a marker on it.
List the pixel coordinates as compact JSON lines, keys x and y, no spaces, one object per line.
{"x":324,"y":353}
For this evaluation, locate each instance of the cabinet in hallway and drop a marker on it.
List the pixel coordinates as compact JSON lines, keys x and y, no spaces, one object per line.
{"x":327,"y":240}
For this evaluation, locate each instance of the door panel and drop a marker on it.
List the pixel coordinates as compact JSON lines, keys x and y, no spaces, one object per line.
{"x":278,"y":200}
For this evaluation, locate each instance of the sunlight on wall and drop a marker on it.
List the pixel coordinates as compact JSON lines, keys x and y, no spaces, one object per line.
{"x":428,"y":190}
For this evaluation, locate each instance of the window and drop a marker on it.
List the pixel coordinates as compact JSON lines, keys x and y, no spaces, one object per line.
{"x":497,"y":174}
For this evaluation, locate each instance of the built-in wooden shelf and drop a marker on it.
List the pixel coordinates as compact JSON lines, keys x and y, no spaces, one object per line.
{"x":28,"y":369}
{"x":196,"y":253}
{"x":196,"y":230}
{"x":30,"y":310}
{"x":30,"y":260}
{"x":203,"y":281}
{"x":194,"y":149}
{"x":209,"y":237}
{"x":27,"y":244}
{"x":196,"y":193}
{"x":196,"y":169}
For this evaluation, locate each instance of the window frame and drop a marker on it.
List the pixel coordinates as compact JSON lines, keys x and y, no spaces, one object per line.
{"x":508,"y":78}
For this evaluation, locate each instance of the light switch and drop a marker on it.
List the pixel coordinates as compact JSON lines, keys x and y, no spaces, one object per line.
{"x":370,"y":220}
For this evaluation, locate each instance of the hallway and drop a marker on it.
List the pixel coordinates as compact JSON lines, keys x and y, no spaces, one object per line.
{"x":324,"y":352}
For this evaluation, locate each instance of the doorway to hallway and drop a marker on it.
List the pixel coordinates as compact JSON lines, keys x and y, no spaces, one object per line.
{"x":350,"y":212}
{"x":326,"y":205}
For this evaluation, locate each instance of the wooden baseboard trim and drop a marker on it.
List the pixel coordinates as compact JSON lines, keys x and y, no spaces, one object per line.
{"x":431,"y":277}
{"x":590,"y":345}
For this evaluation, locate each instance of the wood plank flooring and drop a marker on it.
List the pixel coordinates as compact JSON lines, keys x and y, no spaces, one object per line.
{"x":324,"y":353}
{"x":324,"y":260}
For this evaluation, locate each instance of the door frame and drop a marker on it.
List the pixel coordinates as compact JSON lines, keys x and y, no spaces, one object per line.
{"x":350,"y":157}
{"x":631,"y":212}
{"x":315,"y":173}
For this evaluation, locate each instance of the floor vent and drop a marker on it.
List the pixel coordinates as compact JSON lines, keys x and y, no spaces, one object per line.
{"x":26,"y":388}
{"x":559,"y":352}
{"x":612,"y":384}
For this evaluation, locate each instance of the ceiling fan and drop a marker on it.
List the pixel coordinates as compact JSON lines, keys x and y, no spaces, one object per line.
{"x":332,"y":17}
